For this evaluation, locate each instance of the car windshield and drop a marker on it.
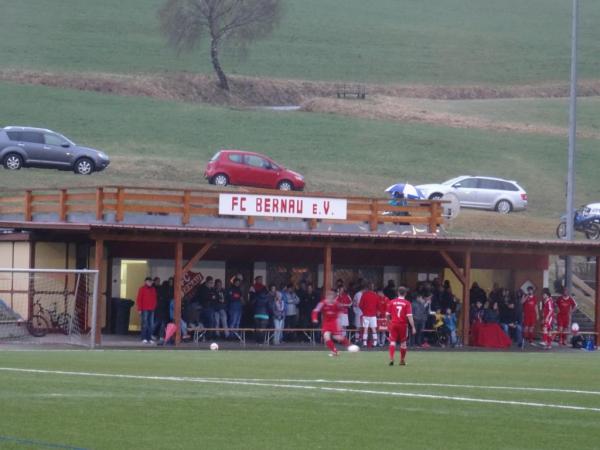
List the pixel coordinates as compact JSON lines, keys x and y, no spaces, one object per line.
{"x":452,"y":181}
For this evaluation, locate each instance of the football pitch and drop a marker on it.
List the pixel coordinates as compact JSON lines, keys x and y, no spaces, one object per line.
{"x":157,"y":399}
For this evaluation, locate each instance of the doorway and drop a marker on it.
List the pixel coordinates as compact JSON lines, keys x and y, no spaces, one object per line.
{"x":133,"y":273}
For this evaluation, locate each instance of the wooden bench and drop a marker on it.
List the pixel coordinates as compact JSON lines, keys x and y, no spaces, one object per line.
{"x":344,"y":90}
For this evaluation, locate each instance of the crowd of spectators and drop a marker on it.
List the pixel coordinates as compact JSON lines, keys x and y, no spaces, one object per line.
{"x":436,"y":310}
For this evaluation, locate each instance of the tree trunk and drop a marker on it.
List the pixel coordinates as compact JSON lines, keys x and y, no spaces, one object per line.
{"x":214,"y":57}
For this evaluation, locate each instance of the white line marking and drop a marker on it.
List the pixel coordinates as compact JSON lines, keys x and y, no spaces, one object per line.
{"x":304,"y":387}
{"x":401,"y":383}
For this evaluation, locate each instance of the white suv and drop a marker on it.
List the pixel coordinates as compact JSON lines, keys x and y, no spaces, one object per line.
{"x":496,"y":194}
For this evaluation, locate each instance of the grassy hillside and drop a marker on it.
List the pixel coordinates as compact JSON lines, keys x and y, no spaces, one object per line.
{"x":170,"y":142}
{"x":429,"y":41}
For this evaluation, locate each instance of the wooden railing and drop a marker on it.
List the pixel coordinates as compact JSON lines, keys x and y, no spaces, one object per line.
{"x":187,"y":203}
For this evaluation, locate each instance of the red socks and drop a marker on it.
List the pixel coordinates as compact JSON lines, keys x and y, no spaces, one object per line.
{"x":331,"y":346}
{"x":402,"y":353}
{"x":392,"y":350}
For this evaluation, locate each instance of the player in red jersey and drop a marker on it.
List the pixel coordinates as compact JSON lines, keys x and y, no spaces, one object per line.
{"x":382,"y":323}
{"x":330,"y":311}
{"x":530,"y":315}
{"x":566,"y":305}
{"x":399,"y":314}
{"x":345,"y":301}
{"x":547,"y":317}
{"x":369,"y":302}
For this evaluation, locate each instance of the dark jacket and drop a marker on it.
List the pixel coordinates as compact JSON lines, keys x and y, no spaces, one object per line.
{"x":233,"y":297}
{"x":262,"y":304}
{"x":419,"y":311}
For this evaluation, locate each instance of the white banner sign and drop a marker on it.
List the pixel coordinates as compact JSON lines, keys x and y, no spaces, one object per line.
{"x":281,"y":206}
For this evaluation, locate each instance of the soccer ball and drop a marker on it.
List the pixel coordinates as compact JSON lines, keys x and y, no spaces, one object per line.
{"x":353,"y":348}
{"x":575,"y":327}
{"x":214,"y":346}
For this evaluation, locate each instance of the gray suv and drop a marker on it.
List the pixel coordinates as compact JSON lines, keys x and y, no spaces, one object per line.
{"x":37,"y":147}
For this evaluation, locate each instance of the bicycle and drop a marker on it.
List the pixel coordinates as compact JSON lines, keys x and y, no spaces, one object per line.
{"x":58,"y":321}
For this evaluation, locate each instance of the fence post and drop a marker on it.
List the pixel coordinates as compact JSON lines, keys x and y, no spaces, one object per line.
{"x":28,"y":206}
{"x":186,"y":207}
{"x":62,"y":205}
{"x":433,"y":211}
{"x":374,"y":212}
{"x":250,"y":221}
{"x":120,"y":204}
{"x":99,"y":203}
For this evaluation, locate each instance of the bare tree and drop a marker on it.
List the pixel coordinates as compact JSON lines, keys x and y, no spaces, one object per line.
{"x":186,"y":23}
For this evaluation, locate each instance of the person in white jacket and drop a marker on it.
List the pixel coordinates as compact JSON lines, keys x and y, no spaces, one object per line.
{"x":291,"y":301}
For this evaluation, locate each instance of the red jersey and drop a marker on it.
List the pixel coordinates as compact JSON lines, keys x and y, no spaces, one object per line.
{"x":382,"y":307}
{"x":566,"y":305}
{"x":548,"y":311}
{"x":399,"y":309}
{"x":529,"y":306}
{"x":344,"y":301}
{"x":329,"y":312}
{"x":369,"y":302}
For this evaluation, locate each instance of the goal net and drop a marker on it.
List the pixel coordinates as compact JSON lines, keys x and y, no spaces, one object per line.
{"x":47,"y":306}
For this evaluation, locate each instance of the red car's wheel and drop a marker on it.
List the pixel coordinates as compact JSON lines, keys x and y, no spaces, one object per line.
{"x":220,"y":179}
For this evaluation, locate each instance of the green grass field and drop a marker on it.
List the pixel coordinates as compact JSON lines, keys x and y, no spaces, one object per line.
{"x":283,"y":399}
{"x":171,"y":142}
{"x":430,"y":41}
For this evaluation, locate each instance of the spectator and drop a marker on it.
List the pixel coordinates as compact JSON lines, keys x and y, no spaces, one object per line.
{"x":491,"y":313}
{"x":303,"y":307}
{"x":476,"y":313}
{"x":220,"y":309}
{"x":146,"y":304}
{"x":420,"y":314}
{"x":278,"y":309}
{"x":390,"y":290}
{"x":477,"y":294}
{"x":291,"y":301}
{"x":450,"y":325}
{"x":356,"y":309}
{"x":447,"y":299}
{"x":261,"y":314}
{"x":510,"y":322}
{"x":183,"y":325}
{"x":165,"y":293}
{"x":495,"y":293}
{"x":207,"y":298}
{"x":233,"y":296}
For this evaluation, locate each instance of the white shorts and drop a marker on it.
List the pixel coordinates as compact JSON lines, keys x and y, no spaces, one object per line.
{"x":369,"y":322}
{"x":343,"y":319}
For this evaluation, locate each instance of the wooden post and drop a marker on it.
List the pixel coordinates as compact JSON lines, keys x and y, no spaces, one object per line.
{"x":327,"y":274}
{"x":62,"y":208}
{"x":197,"y":257}
{"x":178,"y":289}
{"x":597,"y":303}
{"x":120,"y":204}
{"x":466,"y":305}
{"x":98,"y":259}
{"x":373,"y":222}
{"x":186,"y":207}
{"x":433,"y":216}
{"x":28,"y":206}
{"x":250,"y":221}
{"x":99,"y":203}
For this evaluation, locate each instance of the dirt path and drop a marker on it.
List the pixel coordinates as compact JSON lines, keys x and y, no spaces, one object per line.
{"x":403,"y":110}
{"x":386,"y":102}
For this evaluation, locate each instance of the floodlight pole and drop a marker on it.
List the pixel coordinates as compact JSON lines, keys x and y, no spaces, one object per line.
{"x":572,"y":143}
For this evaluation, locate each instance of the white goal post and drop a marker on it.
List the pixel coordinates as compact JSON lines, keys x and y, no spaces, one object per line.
{"x":50,"y":306}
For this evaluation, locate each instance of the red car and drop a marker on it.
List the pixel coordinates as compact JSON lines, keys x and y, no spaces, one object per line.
{"x":251,"y":169}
